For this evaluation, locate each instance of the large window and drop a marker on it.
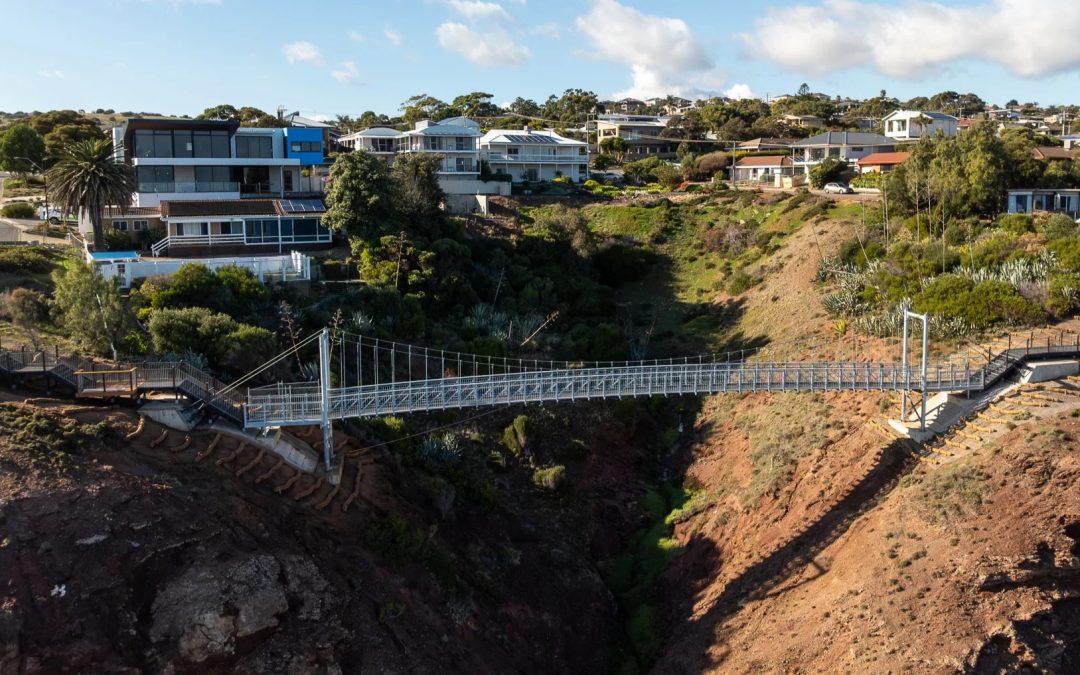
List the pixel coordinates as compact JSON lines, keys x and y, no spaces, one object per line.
{"x":156,"y":179}
{"x":305,"y":146}
{"x":151,"y":143}
{"x":213,"y":179}
{"x":383,"y":144}
{"x":254,"y":146}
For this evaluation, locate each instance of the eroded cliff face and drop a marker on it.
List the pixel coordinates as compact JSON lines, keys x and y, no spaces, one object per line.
{"x":823,"y":546}
{"x":131,"y":555}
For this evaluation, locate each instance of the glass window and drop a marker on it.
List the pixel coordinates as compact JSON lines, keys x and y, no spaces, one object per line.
{"x":138,"y":225}
{"x":254,"y":146}
{"x":163,"y":144}
{"x":144,"y":143}
{"x":294,"y":147}
{"x":120,"y":225}
{"x":182,"y":144}
{"x":219,"y":144}
{"x":201,"y":142}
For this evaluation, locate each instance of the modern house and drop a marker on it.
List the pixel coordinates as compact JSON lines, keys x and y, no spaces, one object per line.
{"x":642,"y":132}
{"x":211,"y":188}
{"x":1055,"y":201}
{"x":882,"y":162}
{"x":762,"y":167}
{"x":846,"y":146}
{"x":531,"y":155}
{"x":911,"y":125}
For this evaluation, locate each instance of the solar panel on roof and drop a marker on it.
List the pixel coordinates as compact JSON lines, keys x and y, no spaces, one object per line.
{"x":302,"y":205}
{"x":532,"y":138}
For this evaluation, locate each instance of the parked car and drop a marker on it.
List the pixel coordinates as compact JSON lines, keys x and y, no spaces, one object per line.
{"x":54,"y":216}
{"x":838,"y":188}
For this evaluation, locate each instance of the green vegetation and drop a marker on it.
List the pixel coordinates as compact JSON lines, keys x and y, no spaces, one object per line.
{"x":18,"y":210}
{"x":975,"y":275}
{"x":953,"y":491}
{"x":550,"y":478}
{"x":52,"y":444}
{"x":632,"y":575}
{"x":87,"y":176}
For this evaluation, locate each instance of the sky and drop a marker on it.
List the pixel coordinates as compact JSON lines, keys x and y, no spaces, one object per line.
{"x":331,"y":57}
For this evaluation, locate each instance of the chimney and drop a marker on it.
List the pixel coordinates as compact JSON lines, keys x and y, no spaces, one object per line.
{"x":528,"y":129}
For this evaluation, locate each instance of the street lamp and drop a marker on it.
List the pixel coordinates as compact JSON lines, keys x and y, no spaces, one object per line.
{"x":43,"y":180}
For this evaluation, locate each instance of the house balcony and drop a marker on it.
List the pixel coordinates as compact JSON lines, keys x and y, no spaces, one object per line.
{"x":537,"y":158}
{"x":320,"y":235}
{"x":175,"y":187}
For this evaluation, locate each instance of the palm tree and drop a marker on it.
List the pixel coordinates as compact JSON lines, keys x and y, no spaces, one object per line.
{"x":86,"y":178}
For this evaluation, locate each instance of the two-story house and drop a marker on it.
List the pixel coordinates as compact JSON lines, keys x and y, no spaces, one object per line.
{"x":210,"y":187}
{"x":641,"y":132}
{"x":532,"y":155}
{"x":846,"y":146}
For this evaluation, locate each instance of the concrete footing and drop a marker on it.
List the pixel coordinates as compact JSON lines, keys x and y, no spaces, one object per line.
{"x":171,"y":414}
{"x":1044,"y":371}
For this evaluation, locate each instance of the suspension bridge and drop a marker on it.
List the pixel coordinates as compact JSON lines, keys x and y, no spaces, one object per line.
{"x":354,"y":376}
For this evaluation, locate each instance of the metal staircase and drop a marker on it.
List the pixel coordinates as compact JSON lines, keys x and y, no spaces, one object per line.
{"x":90,"y":379}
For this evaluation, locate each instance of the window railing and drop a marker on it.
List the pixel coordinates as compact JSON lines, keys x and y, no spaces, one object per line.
{"x":189,"y":187}
{"x":537,"y":157}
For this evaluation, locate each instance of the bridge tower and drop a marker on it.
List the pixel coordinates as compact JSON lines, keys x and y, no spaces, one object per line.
{"x":324,"y":404}
{"x":908,"y":316}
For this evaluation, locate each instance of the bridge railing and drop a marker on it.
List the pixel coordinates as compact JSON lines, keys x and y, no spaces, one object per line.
{"x":301,"y":403}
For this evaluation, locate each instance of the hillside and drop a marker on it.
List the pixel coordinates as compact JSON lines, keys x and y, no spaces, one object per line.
{"x":757,"y":533}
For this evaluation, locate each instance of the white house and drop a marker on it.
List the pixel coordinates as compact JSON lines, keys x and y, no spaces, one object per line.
{"x":761,"y":167}
{"x":909,"y":125}
{"x":847,"y":146}
{"x":381,"y":140}
{"x":532,"y":155}
{"x":456,"y":139}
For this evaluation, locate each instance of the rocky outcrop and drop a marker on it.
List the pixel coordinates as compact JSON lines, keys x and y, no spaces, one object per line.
{"x":209,"y":608}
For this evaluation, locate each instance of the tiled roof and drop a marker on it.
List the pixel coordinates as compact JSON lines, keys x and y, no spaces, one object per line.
{"x":883,"y":159}
{"x":763,"y":160}
{"x":1052,"y":152}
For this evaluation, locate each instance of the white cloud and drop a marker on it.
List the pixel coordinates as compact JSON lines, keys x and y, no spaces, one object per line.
{"x":663,"y":54}
{"x":491,"y":47}
{"x":477,"y":9}
{"x":1031,"y":38}
{"x":57,"y":74}
{"x":549,"y":29}
{"x":302,"y":52}
{"x":740,"y":91}
{"x":347,"y":74}
{"x":392,"y":35}
{"x":356,"y":36}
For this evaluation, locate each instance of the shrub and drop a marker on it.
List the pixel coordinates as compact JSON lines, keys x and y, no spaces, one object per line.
{"x":827,"y":171}
{"x":980,"y":305}
{"x":1057,"y":226}
{"x":18,"y":210}
{"x":27,"y":308}
{"x":617,"y":265}
{"x":514,"y":436}
{"x":707,"y":166}
{"x":25,"y":260}
{"x":668,"y":176}
{"x":740,"y":283}
{"x":551,"y":478}
{"x":1016,"y":223}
